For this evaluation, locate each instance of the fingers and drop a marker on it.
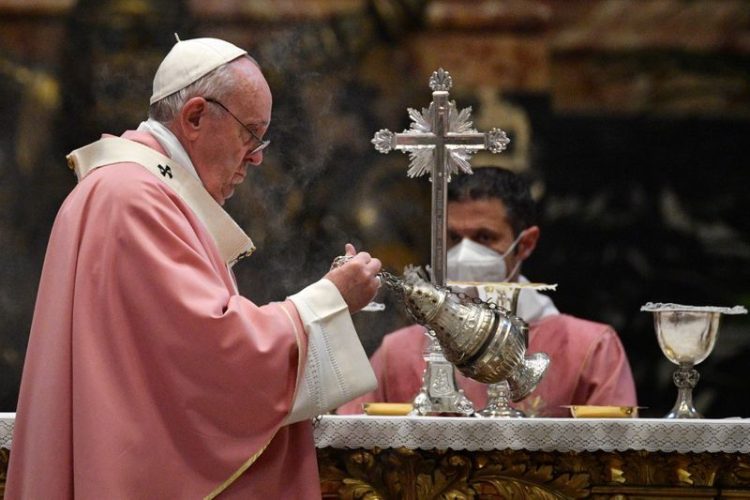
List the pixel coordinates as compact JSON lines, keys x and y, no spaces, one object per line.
{"x":371,"y":265}
{"x":356,"y":278}
{"x":374,"y":265}
{"x":367,"y":265}
{"x":350,"y":250}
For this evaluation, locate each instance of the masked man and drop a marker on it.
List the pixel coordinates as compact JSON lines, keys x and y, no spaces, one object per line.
{"x":491,"y":229}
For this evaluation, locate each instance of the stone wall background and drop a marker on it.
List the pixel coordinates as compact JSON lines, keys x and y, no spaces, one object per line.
{"x":631,"y":117}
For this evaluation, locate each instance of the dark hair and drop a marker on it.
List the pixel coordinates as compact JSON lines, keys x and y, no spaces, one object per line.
{"x":498,"y":183}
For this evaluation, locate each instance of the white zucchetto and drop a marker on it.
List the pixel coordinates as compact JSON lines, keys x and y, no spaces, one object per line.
{"x":188,"y":61}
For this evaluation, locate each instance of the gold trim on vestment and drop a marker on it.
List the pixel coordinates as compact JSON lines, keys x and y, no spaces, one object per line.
{"x":250,"y":461}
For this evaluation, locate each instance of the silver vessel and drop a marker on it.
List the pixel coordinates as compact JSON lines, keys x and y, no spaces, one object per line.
{"x":486,"y":343}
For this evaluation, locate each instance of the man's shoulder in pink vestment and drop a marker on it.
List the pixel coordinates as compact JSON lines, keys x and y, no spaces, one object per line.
{"x":404,"y":340}
{"x":398,"y":366}
{"x":568,"y":328}
{"x":588,"y":363}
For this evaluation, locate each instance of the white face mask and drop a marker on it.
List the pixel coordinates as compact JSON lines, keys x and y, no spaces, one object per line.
{"x":470,"y":261}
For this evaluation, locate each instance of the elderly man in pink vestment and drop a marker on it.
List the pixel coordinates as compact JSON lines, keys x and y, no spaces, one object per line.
{"x":491,"y":229}
{"x":147,"y":374}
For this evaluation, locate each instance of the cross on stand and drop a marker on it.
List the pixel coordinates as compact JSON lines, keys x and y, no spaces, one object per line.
{"x":440,"y":141}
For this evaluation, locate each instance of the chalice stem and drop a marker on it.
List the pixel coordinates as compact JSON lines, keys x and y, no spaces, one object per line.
{"x":498,"y":402}
{"x":685,"y":378}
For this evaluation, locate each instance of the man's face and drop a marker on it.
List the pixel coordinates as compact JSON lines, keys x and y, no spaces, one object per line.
{"x":224,"y":150}
{"x":485,"y":222}
{"x":482,"y":221}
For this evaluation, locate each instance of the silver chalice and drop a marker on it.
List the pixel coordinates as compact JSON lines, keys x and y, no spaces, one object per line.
{"x":686,"y":336}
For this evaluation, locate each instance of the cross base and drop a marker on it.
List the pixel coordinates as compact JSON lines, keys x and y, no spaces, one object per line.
{"x":438,"y":394}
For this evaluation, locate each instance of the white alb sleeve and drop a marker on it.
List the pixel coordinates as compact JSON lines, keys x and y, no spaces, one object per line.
{"x":337,"y":369}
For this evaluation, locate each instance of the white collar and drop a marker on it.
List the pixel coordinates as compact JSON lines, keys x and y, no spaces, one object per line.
{"x":532,"y":305}
{"x":170,"y":143}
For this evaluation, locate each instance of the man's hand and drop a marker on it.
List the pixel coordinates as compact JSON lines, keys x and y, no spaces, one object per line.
{"x":356,"y":279}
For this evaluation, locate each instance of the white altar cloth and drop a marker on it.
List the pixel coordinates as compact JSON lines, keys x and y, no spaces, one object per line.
{"x":6,"y":429}
{"x":533,"y":434}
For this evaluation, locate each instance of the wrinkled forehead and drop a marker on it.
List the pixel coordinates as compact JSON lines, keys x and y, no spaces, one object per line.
{"x":252,"y":92}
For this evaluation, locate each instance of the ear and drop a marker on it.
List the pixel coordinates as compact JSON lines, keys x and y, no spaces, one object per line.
{"x":527,"y":243}
{"x":191,"y":116}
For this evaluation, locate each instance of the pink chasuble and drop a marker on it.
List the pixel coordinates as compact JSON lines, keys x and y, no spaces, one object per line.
{"x":588,"y":366}
{"x":147,"y":375}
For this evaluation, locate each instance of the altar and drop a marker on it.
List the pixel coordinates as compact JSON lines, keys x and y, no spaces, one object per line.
{"x":445,"y":457}
{"x":423,"y":458}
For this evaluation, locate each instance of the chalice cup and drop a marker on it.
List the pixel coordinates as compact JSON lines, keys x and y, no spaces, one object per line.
{"x":686,"y":336}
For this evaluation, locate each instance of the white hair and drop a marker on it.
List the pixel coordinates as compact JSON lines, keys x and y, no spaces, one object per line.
{"x":216,"y":84}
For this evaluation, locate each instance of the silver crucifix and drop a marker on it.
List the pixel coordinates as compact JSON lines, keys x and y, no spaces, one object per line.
{"x":440,"y":141}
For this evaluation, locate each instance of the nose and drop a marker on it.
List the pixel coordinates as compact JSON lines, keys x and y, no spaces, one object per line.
{"x":254,"y":158}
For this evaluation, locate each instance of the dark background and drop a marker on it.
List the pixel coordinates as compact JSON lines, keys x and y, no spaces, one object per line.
{"x":637,"y":116}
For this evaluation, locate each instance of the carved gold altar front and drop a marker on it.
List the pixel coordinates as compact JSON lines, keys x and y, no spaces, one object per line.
{"x":420,"y":474}
{"x":3,"y":470}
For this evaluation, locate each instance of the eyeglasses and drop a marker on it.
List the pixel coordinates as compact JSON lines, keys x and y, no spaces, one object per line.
{"x":262,"y":144}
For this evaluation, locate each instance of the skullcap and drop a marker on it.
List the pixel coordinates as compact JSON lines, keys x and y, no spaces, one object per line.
{"x":188,"y":61}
